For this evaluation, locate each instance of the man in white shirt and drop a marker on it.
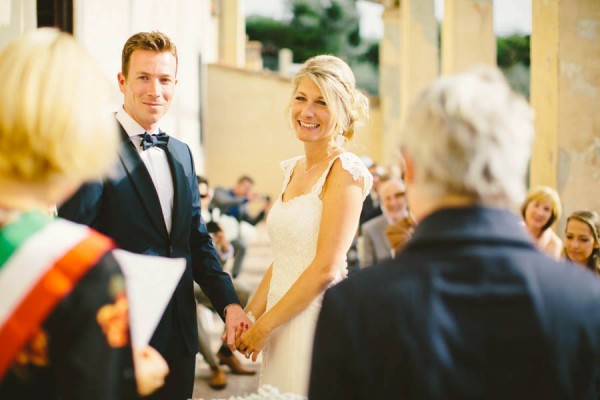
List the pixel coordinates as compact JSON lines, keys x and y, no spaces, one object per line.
{"x":149,"y":204}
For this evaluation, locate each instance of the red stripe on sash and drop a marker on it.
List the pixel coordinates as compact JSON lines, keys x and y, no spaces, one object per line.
{"x":56,"y":284}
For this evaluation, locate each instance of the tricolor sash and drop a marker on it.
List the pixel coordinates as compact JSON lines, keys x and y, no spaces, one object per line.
{"x":41,"y":261}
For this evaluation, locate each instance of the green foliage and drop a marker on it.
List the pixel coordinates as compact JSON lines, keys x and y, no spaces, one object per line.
{"x":316,"y":27}
{"x":371,"y":53}
{"x":273,"y":34}
{"x":319,"y":27}
{"x":513,"y":58}
{"x":512,"y":50}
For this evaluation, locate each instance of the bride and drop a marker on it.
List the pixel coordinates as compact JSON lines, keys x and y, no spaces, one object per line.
{"x":312,"y":223}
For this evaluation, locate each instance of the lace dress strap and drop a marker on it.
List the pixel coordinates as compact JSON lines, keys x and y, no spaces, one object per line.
{"x":287,"y":166}
{"x":354,"y":166}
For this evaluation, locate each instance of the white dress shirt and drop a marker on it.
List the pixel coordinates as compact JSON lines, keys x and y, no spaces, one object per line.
{"x":156,"y":163}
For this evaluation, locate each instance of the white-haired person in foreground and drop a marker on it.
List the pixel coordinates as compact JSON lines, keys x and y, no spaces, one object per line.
{"x":469,"y":308}
{"x":64,"y":321}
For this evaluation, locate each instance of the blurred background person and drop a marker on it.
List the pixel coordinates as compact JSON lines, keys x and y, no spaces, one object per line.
{"x":470,"y":308}
{"x":372,"y":206}
{"x":582,"y":239}
{"x":540,"y":210}
{"x":214,"y":220}
{"x":64,"y":320}
{"x":374,"y":246}
{"x":234,"y":202}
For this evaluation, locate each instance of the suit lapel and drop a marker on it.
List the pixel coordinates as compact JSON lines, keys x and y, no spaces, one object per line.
{"x":180,"y":187}
{"x":142,"y":182}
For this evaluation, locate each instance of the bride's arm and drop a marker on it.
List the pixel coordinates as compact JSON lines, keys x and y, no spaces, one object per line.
{"x":342,"y":202}
{"x":258,"y":302}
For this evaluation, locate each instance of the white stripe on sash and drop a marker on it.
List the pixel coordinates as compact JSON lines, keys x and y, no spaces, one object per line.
{"x":33,"y":258}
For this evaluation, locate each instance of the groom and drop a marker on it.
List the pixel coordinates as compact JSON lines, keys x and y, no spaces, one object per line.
{"x":150,"y":204}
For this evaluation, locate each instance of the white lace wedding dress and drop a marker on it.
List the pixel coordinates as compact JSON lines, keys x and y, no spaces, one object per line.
{"x":293,"y":228}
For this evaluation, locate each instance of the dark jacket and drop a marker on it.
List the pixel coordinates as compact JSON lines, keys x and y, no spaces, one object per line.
{"x":79,"y":363}
{"x":125,"y":207}
{"x":470,"y":309}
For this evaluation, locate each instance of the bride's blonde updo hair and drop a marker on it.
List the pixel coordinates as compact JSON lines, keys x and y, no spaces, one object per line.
{"x":348,"y":106}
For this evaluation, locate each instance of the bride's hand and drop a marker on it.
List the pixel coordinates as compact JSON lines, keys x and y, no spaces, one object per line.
{"x":252,"y":341}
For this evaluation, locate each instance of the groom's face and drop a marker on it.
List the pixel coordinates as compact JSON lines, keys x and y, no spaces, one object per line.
{"x":149,"y":86}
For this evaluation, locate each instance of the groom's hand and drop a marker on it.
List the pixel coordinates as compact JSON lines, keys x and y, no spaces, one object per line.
{"x":236,"y":321}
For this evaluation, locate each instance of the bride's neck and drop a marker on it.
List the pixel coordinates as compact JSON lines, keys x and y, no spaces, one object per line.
{"x":314,"y":154}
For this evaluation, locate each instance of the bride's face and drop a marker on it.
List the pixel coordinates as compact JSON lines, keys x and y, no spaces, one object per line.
{"x":310,"y":113}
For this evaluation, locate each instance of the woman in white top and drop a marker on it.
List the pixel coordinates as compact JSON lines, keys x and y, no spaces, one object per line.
{"x":311,"y":224}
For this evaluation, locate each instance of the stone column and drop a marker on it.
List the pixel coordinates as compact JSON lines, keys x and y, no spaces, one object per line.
{"x":390,"y":83}
{"x":467,"y":35}
{"x":16,"y":18}
{"x":232,"y":33}
{"x":408,"y":63}
{"x":254,"y":59}
{"x":419,"y":62}
{"x":565,"y":92}
{"x":285,"y":60}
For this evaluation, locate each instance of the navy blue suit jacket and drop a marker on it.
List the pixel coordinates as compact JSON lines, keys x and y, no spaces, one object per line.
{"x":470,"y":309}
{"x":125,"y":207}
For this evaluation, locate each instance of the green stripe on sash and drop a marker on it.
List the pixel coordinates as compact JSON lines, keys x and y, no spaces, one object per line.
{"x":15,"y":233}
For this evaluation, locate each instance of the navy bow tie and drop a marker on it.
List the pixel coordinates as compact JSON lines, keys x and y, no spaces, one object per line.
{"x":161,"y":140}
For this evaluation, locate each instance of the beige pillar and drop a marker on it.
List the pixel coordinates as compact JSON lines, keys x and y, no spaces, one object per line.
{"x":285,"y":60}
{"x":16,"y":18}
{"x":232,"y":33}
{"x":419,"y":62}
{"x":254,"y":59}
{"x":565,"y":92}
{"x":408,"y":63}
{"x":467,"y":35}
{"x":390,"y":83}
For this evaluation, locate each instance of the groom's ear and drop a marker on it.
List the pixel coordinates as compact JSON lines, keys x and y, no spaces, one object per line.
{"x":121,"y":80}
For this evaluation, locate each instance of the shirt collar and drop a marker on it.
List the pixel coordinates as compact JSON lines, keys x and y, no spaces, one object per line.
{"x":130,"y":126}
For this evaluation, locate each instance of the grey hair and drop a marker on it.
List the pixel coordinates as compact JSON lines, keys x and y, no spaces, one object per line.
{"x":471,"y":135}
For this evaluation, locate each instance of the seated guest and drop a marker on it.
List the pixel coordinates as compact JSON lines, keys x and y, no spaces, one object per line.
{"x":540,"y":210}
{"x":213,"y":224}
{"x":234,"y":202}
{"x":64,"y":319}
{"x":470,"y":309}
{"x":371,"y":205}
{"x":218,"y":379}
{"x":375,"y":246}
{"x":582,"y":239}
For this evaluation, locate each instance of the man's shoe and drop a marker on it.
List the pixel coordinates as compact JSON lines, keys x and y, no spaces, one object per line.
{"x":218,"y":379}
{"x":234,"y":364}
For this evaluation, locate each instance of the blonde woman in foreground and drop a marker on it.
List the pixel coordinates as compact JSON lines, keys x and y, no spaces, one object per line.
{"x":64,"y":320}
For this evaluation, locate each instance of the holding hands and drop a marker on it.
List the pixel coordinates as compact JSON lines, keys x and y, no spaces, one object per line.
{"x":252,"y":340}
{"x":242,"y":333}
{"x":236,"y":322}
